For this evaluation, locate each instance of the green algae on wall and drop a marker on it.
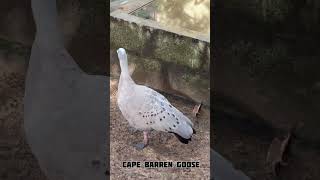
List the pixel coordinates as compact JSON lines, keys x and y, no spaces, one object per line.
{"x":159,"y":44}
{"x":192,"y":84}
{"x":127,"y":35}
{"x":195,"y":80}
{"x":145,"y":64}
{"x":11,"y":47}
{"x":181,"y":51}
{"x":163,"y":59}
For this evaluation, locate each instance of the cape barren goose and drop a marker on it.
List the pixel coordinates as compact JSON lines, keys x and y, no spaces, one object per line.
{"x":65,"y":109}
{"x":146,"y":109}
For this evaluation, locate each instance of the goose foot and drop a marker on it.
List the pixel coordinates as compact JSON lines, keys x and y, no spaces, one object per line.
{"x":132,"y":130}
{"x":141,"y":146}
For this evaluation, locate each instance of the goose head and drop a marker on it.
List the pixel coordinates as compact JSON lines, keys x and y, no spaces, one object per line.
{"x":123,"y":59}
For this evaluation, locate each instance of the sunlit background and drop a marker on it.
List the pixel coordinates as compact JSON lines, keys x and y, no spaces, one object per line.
{"x":189,"y":14}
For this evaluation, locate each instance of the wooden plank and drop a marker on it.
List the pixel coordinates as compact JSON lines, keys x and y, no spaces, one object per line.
{"x":114,"y":5}
{"x":128,"y":6}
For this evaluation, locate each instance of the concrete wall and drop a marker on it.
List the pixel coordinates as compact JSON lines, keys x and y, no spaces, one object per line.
{"x":172,"y":60}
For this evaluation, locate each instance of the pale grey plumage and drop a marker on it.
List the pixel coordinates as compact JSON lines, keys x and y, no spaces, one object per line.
{"x":146,"y":109}
{"x":65,"y":109}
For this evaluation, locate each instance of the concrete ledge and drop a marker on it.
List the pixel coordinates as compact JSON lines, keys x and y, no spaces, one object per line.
{"x":122,"y":15}
{"x":150,"y":39}
{"x":174,"y":60}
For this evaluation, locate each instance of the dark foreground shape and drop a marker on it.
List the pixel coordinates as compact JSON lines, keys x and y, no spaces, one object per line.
{"x":65,"y":110}
{"x":222,"y":169}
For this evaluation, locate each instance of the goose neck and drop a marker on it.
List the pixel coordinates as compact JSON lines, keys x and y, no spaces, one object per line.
{"x":46,"y":19}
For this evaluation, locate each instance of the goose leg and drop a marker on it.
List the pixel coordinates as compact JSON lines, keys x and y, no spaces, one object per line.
{"x":145,"y":142}
{"x":145,"y":137}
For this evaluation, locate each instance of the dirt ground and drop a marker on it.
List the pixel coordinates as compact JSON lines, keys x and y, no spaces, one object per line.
{"x":16,"y":159}
{"x":18,"y":163}
{"x":162,"y":147}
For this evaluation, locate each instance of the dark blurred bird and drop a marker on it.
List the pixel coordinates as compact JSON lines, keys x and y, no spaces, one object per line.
{"x":222,"y":169}
{"x":65,"y":109}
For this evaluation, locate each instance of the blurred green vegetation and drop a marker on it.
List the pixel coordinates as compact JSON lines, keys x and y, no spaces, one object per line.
{"x":10,"y":47}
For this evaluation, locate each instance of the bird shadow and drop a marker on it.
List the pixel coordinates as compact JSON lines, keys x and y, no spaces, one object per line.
{"x":166,"y":145}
